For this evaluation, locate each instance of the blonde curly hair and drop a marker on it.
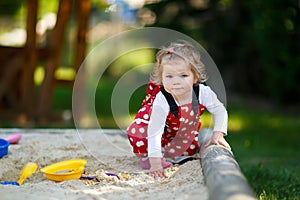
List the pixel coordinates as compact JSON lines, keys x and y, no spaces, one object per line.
{"x":174,"y":52}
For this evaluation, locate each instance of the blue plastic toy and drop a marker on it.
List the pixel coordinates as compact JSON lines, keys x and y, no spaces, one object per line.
{"x":3,"y":147}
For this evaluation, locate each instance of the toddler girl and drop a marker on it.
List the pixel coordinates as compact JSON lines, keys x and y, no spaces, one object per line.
{"x":167,"y":125}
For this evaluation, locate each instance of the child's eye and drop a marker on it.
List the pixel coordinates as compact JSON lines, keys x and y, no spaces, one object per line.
{"x":169,"y":76}
{"x":184,"y":75}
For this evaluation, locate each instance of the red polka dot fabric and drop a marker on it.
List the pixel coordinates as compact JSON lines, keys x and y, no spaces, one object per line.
{"x":180,"y":135}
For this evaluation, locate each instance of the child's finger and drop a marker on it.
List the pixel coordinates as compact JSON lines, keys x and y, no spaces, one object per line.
{"x":210,"y":142}
{"x":158,"y":174}
{"x":207,"y":144}
{"x":163,"y":175}
{"x":225,"y":144}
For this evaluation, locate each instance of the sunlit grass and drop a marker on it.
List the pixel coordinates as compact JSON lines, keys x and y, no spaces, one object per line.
{"x":235,"y":123}
{"x":206,"y":120}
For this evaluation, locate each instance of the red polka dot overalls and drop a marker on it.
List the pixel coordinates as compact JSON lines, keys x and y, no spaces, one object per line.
{"x":180,"y":135}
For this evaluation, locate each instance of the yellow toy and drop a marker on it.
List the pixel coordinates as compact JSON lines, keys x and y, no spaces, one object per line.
{"x":27,"y":171}
{"x":65,"y":170}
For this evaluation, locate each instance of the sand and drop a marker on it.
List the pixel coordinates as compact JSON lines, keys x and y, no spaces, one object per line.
{"x":104,"y":152}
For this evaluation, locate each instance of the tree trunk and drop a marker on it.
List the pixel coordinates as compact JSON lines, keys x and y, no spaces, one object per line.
{"x":30,"y":58}
{"x":55,"y":46}
{"x":83,"y":9}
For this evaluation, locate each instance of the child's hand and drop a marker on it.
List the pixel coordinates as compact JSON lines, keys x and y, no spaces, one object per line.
{"x":218,"y":139}
{"x":156,"y":170}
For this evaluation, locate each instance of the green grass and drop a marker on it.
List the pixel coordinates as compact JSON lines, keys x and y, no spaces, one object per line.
{"x":267,"y":149}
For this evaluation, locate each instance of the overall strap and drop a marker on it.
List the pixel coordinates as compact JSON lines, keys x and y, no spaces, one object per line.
{"x":171,"y":102}
{"x":195,"y":98}
{"x":173,"y":105}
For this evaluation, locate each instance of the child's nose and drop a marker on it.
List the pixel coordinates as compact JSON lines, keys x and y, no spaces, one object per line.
{"x":176,"y":80}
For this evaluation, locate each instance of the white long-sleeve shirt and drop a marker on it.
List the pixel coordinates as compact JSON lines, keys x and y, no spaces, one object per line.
{"x":161,"y":109}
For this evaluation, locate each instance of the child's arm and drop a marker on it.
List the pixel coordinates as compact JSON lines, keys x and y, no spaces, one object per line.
{"x":155,"y":131}
{"x":216,"y":108}
{"x":156,"y":126}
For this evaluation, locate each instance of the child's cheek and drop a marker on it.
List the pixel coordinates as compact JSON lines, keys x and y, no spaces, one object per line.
{"x":167,"y":89}
{"x":166,"y":84}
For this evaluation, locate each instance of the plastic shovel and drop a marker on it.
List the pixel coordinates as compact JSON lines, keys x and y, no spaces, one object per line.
{"x":27,"y":171}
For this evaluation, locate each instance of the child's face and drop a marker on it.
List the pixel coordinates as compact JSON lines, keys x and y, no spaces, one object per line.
{"x":178,"y":79}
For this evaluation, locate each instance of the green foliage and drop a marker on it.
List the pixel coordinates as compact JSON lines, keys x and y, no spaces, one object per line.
{"x":62,"y":99}
{"x":274,"y":32}
{"x":46,"y":6}
{"x":10,"y":7}
{"x":256,"y":44}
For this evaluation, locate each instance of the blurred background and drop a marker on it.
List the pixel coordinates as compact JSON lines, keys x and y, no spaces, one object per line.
{"x":255,"y":45}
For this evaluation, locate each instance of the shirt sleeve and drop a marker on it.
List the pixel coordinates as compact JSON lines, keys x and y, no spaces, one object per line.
{"x":156,"y":125}
{"x":209,"y":99}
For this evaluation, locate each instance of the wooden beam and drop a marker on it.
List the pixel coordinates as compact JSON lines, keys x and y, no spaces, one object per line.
{"x":83,"y":10}
{"x":82,"y":14}
{"x":55,"y":45}
{"x":30,"y":58}
{"x":222,"y":173}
